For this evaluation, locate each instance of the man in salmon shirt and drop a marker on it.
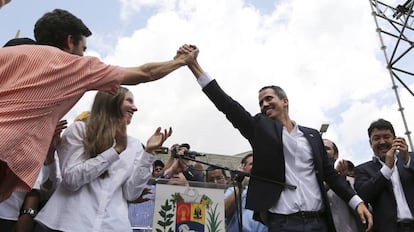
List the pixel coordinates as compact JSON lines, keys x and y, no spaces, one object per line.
{"x":39,"y":84}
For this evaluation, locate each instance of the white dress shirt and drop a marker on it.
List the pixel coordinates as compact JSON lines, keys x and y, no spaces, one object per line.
{"x":403,"y":211}
{"x":300,"y":171}
{"x":299,"y":164}
{"x":86,"y":202}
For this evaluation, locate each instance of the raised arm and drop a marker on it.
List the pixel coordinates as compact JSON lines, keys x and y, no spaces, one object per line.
{"x":136,"y":183}
{"x":157,"y":70}
{"x":193,"y":64}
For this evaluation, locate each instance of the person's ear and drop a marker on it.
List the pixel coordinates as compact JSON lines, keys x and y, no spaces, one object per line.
{"x":69,"y":43}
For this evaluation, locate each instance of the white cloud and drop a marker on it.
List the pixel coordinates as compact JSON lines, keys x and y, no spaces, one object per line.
{"x":324,"y":53}
{"x":130,"y":7}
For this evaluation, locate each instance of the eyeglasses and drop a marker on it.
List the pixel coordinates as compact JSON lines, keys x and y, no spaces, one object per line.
{"x":157,"y":169}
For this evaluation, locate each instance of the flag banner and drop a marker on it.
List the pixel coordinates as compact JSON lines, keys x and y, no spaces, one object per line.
{"x":185,"y":208}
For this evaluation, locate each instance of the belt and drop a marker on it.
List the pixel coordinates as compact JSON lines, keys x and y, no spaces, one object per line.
{"x":406,"y":223}
{"x":301,"y":214}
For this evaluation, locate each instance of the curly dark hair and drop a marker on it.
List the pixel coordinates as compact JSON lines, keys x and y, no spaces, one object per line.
{"x":54,"y":27}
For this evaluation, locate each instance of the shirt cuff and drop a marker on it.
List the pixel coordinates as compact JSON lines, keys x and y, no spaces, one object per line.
{"x":354,"y":202}
{"x":386,"y":172}
{"x":148,"y":158}
{"x":204,"y":79}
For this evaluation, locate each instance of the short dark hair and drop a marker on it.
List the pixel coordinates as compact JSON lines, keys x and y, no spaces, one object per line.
{"x":19,"y":41}
{"x":212,"y":168}
{"x":54,"y":27}
{"x":244,"y":160}
{"x":351,"y":166}
{"x":278,"y":91}
{"x":380,"y":124}
{"x":158,"y":163}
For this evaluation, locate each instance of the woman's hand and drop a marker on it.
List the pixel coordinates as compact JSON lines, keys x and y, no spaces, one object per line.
{"x":157,"y":139}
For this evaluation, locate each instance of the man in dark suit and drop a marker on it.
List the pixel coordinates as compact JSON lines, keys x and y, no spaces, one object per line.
{"x":284,"y":153}
{"x":387,"y":182}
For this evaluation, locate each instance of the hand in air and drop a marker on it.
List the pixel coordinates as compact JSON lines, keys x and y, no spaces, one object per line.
{"x":188,"y":53}
{"x":157,"y":139}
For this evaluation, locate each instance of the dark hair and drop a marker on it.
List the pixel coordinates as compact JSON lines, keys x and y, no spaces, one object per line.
{"x":19,"y":41}
{"x":212,"y":168}
{"x":334,"y":147}
{"x":158,"y":163}
{"x":244,"y":160}
{"x":351,"y":166}
{"x":278,"y":91}
{"x":54,"y":27}
{"x":380,"y":124}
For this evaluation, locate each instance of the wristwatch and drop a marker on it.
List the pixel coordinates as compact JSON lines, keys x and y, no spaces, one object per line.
{"x":28,"y":211}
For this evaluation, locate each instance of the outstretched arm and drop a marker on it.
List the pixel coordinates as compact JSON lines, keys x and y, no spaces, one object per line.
{"x":154,"y":71}
{"x":235,"y":113}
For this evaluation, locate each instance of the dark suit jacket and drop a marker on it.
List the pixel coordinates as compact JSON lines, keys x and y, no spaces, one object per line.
{"x":373,"y":188}
{"x":265,"y":137}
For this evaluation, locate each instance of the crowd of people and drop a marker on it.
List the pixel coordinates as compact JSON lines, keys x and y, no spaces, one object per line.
{"x":96,"y":177}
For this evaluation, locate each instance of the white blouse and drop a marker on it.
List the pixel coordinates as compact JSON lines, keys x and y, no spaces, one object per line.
{"x":86,"y":202}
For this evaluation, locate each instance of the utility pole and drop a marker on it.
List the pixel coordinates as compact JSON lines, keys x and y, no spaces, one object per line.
{"x":395,"y":25}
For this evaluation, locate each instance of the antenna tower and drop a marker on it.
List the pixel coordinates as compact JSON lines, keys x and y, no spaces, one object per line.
{"x":395,"y":28}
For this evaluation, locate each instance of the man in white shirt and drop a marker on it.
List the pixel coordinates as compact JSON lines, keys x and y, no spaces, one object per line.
{"x":343,"y":217}
{"x":387,"y":181}
{"x":290,"y":162}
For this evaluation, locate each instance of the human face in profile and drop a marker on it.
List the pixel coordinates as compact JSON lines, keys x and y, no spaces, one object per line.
{"x":77,"y":49}
{"x":128,"y":107}
{"x":330,"y":151}
{"x":248,"y":165}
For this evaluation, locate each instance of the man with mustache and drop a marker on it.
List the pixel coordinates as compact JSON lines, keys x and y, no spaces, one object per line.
{"x":387,"y":181}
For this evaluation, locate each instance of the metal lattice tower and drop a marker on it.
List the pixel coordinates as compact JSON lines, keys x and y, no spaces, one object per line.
{"x":395,"y":28}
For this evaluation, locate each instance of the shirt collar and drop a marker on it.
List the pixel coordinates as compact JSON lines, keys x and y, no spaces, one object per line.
{"x":375,"y":157}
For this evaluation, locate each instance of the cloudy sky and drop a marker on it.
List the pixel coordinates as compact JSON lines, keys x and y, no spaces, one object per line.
{"x":325,"y":54}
